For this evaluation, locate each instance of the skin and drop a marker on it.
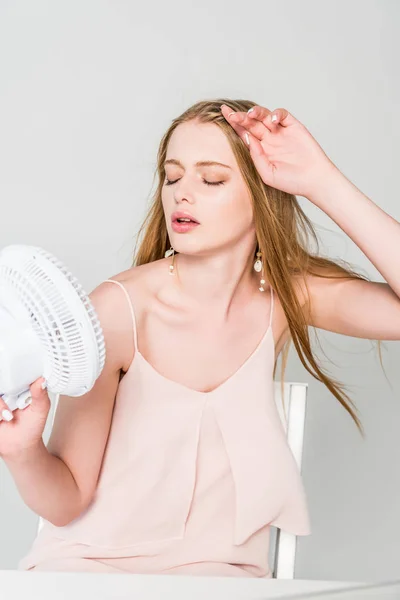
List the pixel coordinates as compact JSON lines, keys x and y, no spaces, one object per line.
{"x":214,"y":297}
{"x":197,"y":327}
{"x":211,"y":307}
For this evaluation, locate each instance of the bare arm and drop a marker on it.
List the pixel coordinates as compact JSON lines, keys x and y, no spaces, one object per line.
{"x":46,"y":484}
{"x":58,"y":482}
{"x":355,"y":307}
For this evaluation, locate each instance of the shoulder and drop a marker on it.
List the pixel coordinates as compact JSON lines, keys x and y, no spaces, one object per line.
{"x":305,"y":287}
{"x":316,"y":292}
{"x":316,"y":286}
{"x":142,"y":284}
{"x":302,"y":285}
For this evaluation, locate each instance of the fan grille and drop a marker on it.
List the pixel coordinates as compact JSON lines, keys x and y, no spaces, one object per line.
{"x":61,"y":315}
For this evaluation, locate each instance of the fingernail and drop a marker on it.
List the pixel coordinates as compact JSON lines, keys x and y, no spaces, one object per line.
{"x":274,"y":118}
{"x":250,"y":110}
{"x":231,"y":113}
{"x":7,"y":415}
{"x":246,"y":135}
{"x":44,"y":385}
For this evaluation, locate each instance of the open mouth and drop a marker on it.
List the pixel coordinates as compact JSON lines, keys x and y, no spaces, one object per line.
{"x":181,"y":220}
{"x":184,"y":224}
{"x":183,"y":217}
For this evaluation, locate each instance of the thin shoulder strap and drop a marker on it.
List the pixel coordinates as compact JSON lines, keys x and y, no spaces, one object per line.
{"x":131,"y":308}
{"x":272,"y":307}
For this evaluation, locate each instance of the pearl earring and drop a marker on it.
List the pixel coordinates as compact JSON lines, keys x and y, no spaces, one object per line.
{"x":168,"y":253}
{"x":259,"y":266}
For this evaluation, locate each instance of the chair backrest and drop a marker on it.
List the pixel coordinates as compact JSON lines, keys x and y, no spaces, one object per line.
{"x":291,"y":406}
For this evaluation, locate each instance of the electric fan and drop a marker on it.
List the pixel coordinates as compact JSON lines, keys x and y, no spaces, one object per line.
{"x":48,"y":327}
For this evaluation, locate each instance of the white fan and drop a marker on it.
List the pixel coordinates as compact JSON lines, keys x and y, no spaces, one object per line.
{"x":48,"y":327}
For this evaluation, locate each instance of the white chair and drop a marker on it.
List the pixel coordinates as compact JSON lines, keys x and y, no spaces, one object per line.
{"x":292,"y":411}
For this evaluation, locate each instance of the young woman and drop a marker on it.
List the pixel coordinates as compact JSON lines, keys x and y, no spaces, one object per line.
{"x":176,"y":461}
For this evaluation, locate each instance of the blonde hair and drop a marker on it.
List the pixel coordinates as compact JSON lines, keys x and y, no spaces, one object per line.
{"x":283,"y":233}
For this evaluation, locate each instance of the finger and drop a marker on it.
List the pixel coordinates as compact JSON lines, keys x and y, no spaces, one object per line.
{"x":244,"y":120}
{"x":5,"y":413}
{"x":262,"y":115}
{"x":284,"y":117}
{"x":261,"y":161}
{"x":228,"y":114}
{"x":256,"y":150}
{"x":40,"y":396}
{"x":255,"y":126}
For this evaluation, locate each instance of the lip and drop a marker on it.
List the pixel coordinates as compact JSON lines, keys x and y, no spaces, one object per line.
{"x":183,"y":227}
{"x":179,"y":214}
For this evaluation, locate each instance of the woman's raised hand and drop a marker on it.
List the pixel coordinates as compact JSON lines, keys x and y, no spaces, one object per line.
{"x":284,"y":152}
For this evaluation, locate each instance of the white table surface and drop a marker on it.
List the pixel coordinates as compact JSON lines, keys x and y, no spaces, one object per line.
{"x":50,"y":585}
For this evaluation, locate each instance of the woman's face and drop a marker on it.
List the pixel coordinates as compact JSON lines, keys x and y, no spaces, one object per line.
{"x":214,"y":195}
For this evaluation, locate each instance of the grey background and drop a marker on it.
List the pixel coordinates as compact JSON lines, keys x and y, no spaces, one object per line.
{"x":88,"y":87}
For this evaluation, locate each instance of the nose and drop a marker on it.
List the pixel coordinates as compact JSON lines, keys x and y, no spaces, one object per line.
{"x":182,"y":194}
{"x":182,"y":199}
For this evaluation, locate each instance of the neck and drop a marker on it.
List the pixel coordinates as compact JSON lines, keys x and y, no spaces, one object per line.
{"x":216,"y":281}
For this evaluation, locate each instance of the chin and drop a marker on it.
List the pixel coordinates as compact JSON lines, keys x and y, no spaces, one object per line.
{"x":189,"y":250}
{"x":192,"y":244}
{"x":182,"y":244}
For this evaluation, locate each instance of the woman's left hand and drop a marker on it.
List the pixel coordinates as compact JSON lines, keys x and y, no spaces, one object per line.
{"x":284,"y":152}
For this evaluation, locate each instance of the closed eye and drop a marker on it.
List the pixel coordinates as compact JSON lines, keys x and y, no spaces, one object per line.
{"x":168,"y":182}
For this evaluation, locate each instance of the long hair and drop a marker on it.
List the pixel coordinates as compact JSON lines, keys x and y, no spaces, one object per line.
{"x":283,"y":233}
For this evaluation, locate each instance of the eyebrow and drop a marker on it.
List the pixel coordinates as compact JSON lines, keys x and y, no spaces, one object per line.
{"x":200,"y":163}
